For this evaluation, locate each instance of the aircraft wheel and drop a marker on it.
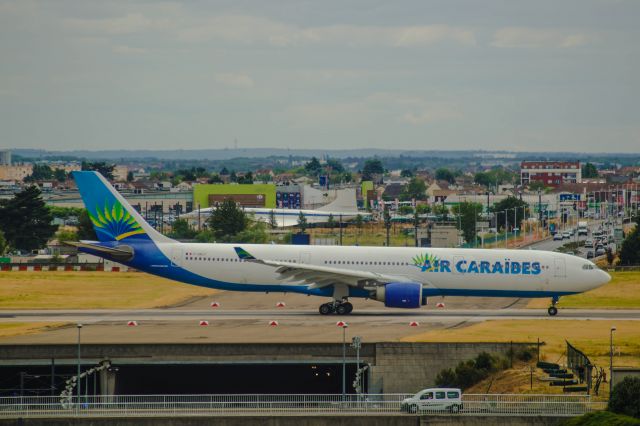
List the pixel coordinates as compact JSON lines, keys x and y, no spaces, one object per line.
{"x":552,"y":310}
{"x":349,"y":307}
{"x":325,"y":309}
{"x":342,"y":309}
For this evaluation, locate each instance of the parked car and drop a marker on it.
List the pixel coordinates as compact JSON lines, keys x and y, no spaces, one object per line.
{"x":600,"y":252}
{"x":590,"y":254}
{"x":566,"y":234}
{"x":557,"y":237}
{"x":435,"y":399}
{"x":588,"y":244}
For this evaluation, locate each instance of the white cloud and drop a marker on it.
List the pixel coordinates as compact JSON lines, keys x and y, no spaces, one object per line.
{"x":128,"y":50}
{"x":515,"y":37}
{"x":246,"y":29}
{"x":127,"y":24}
{"x":235,"y":80}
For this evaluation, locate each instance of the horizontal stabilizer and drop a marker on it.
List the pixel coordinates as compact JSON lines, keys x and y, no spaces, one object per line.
{"x":120,"y":253}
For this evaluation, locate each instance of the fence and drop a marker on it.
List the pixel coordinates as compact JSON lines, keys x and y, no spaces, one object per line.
{"x":205,"y":405}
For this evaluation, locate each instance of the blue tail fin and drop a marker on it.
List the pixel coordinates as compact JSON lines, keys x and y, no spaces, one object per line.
{"x":112,"y":216}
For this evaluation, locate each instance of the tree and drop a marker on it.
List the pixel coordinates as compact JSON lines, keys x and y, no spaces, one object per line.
{"x":254,"y":233}
{"x":469,"y":214}
{"x":536,"y":185}
{"x":302,"y":222}
{"x":313,"y":167}
{"x":4,"y":245}
{"x":215,"y":178}
{"x":445,"y":174}
{"x":227,"y":220}
{"x":335,"y":165}
{"x":625,"y":397}
{"x":180,"y":229}
{"x":589,"y":171}
{"x":440,"y":209}
{"x":85,"y":227}
{"x":630,"y":251}
{"x":40,"y":172}
{"x":406,"y":173}
{"x":415,"y":189}
{"x":26,"y":220}
{"x":423,"y":208}
{"x":359,"y":221}
{"x":60,"y":175}
{"x":610,"y":256}
{"x":506,"y":206}
{"x":66,"y":234}
{"x":331,"y":222}
{"x":273,"y":223}
{"x":129,"y":176}
{"x":103,"y":168}
{"x":246,"y":179}
{"x":387,"y":223}
{"x":371,"y":168}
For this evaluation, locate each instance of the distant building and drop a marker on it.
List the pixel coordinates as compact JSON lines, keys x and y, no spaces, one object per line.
{"x":18,"y":172}
{"x":551,"y":173}
{"x":5,"y":158}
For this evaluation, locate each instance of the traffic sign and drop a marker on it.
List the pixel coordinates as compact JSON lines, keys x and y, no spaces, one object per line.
{"x":342,"y":324}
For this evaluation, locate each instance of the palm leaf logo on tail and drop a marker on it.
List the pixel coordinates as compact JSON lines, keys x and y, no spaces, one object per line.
{"x":114,"y":222}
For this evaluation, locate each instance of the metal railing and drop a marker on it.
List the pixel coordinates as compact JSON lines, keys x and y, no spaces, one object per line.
{"x":202,"y":405}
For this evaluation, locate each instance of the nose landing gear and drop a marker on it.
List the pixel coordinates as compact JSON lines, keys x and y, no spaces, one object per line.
{"x":553,"y":311}
{"x":340,"y":307}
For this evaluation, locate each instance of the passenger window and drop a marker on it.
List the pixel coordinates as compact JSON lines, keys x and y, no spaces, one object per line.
{"x":428,"y":395}
{"x":439,"y":395}
{"x":453,"y":395}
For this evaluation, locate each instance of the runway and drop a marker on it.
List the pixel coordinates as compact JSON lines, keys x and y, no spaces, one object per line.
{"x":169,"y":315}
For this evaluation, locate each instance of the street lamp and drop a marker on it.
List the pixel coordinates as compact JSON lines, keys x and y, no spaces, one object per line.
{"x":78,"y":376}
{"x":613,"y":328}
{"x":344,"y":326}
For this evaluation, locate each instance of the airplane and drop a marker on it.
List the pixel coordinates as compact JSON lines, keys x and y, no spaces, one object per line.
{"x":399,"y":277}
{"x":341,"y":209}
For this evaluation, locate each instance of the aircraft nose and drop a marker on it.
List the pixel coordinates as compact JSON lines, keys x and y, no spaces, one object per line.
{"x":605,"y":277}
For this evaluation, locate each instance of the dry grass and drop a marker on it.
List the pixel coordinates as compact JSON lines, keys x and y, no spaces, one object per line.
{"x":91,"y":290}
{"x":622,"y":292}
{"x":592,"y":337}
{"x":19,"y":328}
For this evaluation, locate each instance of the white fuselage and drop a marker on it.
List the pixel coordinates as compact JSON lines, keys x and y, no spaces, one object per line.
{"x":460,"y":271}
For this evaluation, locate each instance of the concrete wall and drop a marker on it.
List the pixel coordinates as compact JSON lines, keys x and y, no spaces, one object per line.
{"x":311,"y":420}
{"x":410,"y":367}
{"x":396,"y":367}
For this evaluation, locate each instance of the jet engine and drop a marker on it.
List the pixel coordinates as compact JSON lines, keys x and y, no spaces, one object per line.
{"x":401,"y":295}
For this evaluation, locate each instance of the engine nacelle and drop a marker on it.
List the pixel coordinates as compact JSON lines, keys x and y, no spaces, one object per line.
{"x":401,"y":295}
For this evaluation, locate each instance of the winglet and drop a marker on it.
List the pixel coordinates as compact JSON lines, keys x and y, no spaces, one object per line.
{"x":243,"y":254}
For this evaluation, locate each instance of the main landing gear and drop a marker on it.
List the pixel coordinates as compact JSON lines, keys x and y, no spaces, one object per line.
{"x":339,"y":307}
{"x":553,"y":311}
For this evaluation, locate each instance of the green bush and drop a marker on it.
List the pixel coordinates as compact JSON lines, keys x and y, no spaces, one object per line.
{"x":468,"y":373}
{"x":625,"y":397}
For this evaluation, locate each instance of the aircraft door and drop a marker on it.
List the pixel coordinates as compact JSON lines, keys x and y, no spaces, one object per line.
{"x":559,"y":267}
{"x":176,"y":256}
{"x":305,"y":257}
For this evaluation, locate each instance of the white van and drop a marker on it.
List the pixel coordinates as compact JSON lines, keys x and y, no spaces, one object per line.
{"x":435,"y":399}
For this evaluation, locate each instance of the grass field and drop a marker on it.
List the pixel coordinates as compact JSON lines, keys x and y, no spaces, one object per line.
{"x":622,"y":292}
{"x":592,"y":337}
{"x":18,"y":328}
{"x":91,"y":290}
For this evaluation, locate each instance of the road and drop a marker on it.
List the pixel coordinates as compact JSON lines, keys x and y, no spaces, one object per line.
{"x":551,"y":245}
{"x":92,"y":316}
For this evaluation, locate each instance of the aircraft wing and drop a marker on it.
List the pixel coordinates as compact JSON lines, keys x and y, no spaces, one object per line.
{"x":322,"y":276}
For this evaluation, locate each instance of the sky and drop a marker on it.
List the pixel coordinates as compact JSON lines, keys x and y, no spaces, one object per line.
{"x":415,"y":74}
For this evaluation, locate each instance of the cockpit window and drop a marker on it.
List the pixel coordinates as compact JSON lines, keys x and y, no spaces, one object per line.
{"x":587,"y":266}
